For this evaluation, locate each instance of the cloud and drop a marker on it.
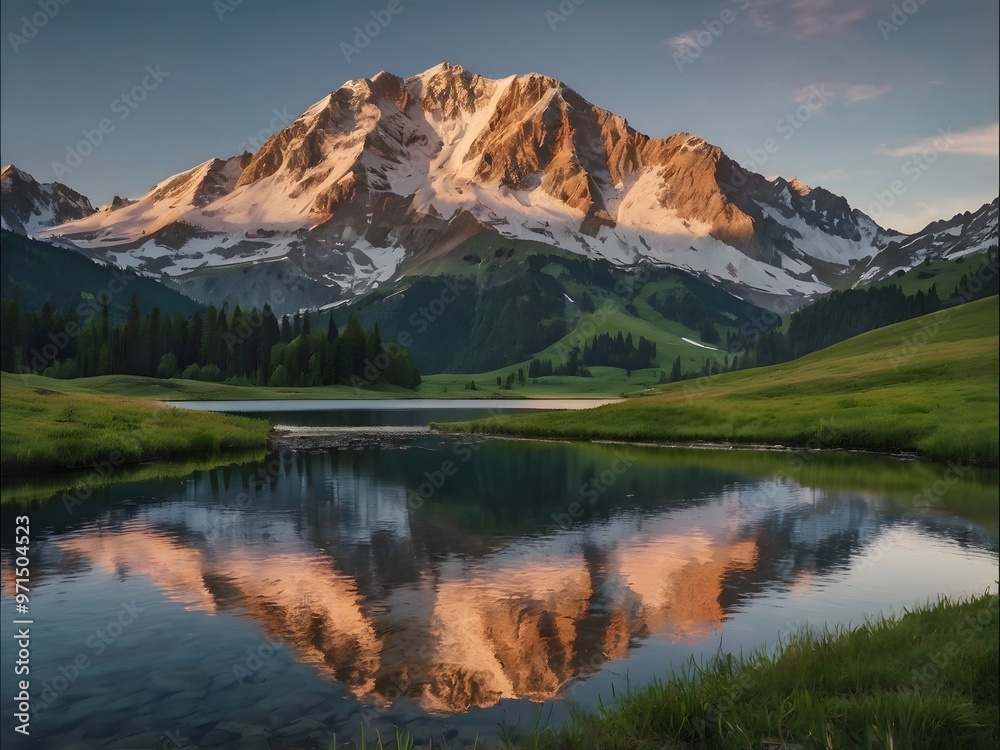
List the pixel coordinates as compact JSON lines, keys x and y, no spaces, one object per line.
{"x":684,"y":42}
{"x":804,"y":19}
{"x":832,"y":175}
{"x":863,"y":91}
{"x":980,"y":141}
{"x":808,"y":19}
{"x":849,"y":93}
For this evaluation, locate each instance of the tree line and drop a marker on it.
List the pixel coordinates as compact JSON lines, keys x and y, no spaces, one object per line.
{"x":619,"y":351}
{"x":842,"y":315}
{"x":234,"y":346}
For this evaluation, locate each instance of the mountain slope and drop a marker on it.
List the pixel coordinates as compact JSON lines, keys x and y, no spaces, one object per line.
{"x":26,"y":275}
{"x":387,"y":174}
{"x":961,"y":235}
{"x":507,"y":301}
{"x":28,"y":206}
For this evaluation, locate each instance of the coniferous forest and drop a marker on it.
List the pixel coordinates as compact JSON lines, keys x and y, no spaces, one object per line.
{"x":619,"y":351}
{"x":841,"y":315}
{"x":217,"y":345}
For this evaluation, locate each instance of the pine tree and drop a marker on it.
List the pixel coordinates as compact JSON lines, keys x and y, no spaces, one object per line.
{"x":675,"y":371}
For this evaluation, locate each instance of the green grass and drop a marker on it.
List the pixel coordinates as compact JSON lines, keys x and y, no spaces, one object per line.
{"x":607,"y":382}
{"x":44,"y":430}
{"x":176,"y":389}
{"x":32,"y":488}
{"x":927,"y":385}
{"x":927,"y":679}
{"x":945,"y":272}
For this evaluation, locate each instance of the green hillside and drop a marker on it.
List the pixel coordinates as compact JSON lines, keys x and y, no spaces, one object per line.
{"x":928,"y":385}
{"x":944,"y":273}
{"x":35,"y":272}
{"x":178,"y":389}
{"x":497,"y":303}
{"x":45,"y":430}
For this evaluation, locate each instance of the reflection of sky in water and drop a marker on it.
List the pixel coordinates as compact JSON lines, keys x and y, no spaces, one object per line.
{"x":478,"y":595}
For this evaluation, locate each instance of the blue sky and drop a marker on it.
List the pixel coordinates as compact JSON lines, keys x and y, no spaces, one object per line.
{"x":891,"y":104}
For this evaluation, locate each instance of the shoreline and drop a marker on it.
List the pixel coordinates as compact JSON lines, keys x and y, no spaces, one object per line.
{"x":694,"y":445}
{"x":851,"y":685}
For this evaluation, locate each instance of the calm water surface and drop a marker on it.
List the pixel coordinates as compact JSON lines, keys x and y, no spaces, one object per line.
{"x":451,"y":586}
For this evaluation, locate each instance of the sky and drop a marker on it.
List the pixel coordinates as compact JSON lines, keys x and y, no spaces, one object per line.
{"x":890,"y":103}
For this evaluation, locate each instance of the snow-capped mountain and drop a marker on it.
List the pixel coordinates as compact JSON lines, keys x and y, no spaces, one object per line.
{"x":385,"y":174}
{"x":28,"y":206}
{"x":960,"y":235}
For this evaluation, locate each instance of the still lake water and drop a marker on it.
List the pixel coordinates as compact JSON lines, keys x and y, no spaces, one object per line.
{"x":449,"y":585}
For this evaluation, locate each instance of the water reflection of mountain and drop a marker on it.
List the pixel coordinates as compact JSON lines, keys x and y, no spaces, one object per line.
{"x":496,"y":586}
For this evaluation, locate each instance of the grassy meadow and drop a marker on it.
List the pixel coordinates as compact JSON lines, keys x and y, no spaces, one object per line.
{"x":46,"y":430}
{"x":177,"y":389}
{"x":927,"y":386}
{"x":927,"y":679}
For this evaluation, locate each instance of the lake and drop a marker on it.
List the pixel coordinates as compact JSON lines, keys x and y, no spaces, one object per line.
{"x":454,"y":586}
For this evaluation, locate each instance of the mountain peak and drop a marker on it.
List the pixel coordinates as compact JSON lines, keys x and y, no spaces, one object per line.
{"x":387,"y":173}
{"x":445,"y":68}
{"x":10,"y":172}
{"x":799,"y":186}
{"x":29,"y":206}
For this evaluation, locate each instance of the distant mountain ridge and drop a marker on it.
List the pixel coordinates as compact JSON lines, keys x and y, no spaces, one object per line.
{"x":385,"y":177}
{"x":28,"y":206}
{"x":962,"y":234}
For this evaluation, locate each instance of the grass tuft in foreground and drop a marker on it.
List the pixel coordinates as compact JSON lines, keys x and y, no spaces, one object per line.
{"x":925,"y":680}
{"x":43,"y":430}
